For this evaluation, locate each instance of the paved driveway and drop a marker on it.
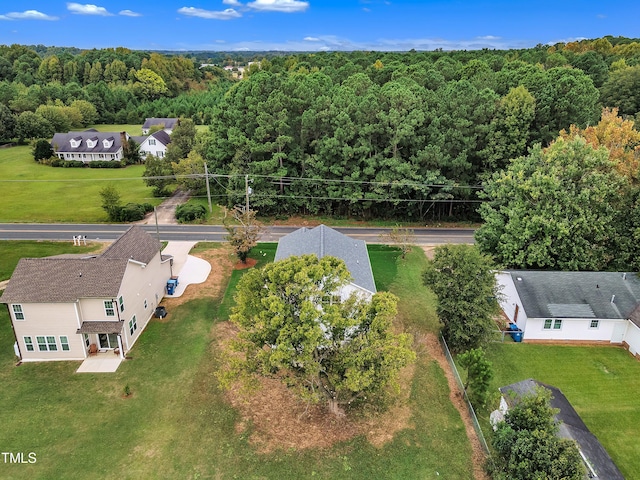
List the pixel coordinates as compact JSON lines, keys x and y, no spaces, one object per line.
{"x":189,"y":269}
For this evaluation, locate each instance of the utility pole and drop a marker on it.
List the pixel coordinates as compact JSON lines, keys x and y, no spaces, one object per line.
{"x":246,"y":187}
{"x":206,"y":174}
{"x":155,"y":213}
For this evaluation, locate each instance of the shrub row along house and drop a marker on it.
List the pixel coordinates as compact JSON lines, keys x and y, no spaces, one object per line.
{"x":598,"y":307}
{"x":68,"y":306}
{"x":91,"y":145}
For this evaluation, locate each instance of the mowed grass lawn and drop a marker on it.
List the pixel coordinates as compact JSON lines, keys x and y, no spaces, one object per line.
{"x":177,"y":424}
{"x":32,"y":192}
{"x":602,"y":383}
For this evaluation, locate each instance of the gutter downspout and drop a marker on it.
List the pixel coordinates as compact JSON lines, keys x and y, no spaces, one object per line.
{"x":17,"y":343}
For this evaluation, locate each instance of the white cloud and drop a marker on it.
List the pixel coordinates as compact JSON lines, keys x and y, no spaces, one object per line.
{"x":365,"y":9}
{"x":87,"y":9}
{"x":286,"y":6}
{"x":311,"y":39}
{"x":27,"y":15}
{"x":129,"y":13}
{"x":488,"y":37}
{"x":227,"y":14}
{"x":233,"y":3}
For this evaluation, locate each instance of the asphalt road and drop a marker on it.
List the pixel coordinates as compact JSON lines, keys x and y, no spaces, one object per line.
{"x":212,"y":233}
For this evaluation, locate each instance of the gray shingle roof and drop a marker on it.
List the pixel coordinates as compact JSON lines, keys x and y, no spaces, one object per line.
{"x":135,"y":244}
{"x":571,"y":427}
{"x":323,"y":241}
{"x":55,"y":280}
{"x":61,"y":142}
{"x":577,"y":294}
{"x":101,"y":327}
{"x":162,"y":136}
{"x":167,"y":122}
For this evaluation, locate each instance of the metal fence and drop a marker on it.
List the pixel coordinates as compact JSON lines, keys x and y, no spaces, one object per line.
{"x":472,"y":413}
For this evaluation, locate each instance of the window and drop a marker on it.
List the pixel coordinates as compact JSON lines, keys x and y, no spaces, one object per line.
{"x":557,"y":324}
{"x":17,"y":312}
{"x":108,"y":308}
{"x":121,"y":303}
{"x":594,"y":324}
{"x":152,"y":141}
{"x":133,"y":326}
{"x":86,"y":339}
{"x":47,"y":344}
{"x":145,"y":303}
{"x":28,"y":343}
{"x":547,"y":324}
{"x":64,"y":343}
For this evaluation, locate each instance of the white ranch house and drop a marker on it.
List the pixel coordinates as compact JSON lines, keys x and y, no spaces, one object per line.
{"x":66,"y":307}
{"x":167,"y":124}
{"x":594,"y":307}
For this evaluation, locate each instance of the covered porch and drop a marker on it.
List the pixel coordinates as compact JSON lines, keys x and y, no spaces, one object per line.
{"x":102,"y":337}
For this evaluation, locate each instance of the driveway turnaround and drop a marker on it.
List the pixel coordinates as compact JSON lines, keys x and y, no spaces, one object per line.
{"x":188,"y":269}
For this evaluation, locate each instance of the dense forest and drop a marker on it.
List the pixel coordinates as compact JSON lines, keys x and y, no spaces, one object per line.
{"x":409,"y":135}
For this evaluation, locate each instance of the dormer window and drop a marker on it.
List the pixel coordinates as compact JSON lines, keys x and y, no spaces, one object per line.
{"x":75,"y":142}
{"x":92,"y":142}
{"x":107,"y":142}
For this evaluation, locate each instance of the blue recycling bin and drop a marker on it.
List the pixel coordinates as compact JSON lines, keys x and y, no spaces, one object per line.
{"x":515,"y":332}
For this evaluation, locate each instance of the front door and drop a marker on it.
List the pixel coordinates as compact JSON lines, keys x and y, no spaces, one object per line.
{"x":108,"y":340}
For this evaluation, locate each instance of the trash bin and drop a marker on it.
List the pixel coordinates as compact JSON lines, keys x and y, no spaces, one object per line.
{"x":161,"y":312}
{"x":515,"y":332}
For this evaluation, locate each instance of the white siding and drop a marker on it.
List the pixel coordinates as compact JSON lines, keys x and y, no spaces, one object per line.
{"x":509,"y":300}
{"x":577,"y":329}
{"x":632,"y":337}
{"x":49,"y":319}
{"x":159,"y":149}
{"x":140,"y":283}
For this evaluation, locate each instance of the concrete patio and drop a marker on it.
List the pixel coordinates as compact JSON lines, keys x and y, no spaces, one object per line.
{"x":105,"y":362}
{"x":189,"y":269}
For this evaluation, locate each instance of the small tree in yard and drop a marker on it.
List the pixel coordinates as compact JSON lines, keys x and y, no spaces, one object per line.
{"x":465,"y":284}
{"x":243,"y":237}
{"x":403,"y":238}
{"x":336,"y":351}
{"x":526,"y":445}
{"x":479,"y":375}
{"x":111,"y":202}
{"x":42,"y":150}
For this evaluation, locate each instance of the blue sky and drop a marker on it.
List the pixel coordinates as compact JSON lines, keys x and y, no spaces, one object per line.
{"x":312,"y":25}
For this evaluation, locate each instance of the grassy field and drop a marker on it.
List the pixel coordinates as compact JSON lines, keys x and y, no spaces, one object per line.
{"x":32,"y":192}
{"x":602,"y":383}
{"x":177,"y":425}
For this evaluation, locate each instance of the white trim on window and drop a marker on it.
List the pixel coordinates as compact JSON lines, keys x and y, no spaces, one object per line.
{"x":133,"y":325}
{"x":594,"y":324}
{"x":18,"y":314}
{"x":47,"y":343}
{"x":121,"y":303}
{"x":28,"y":344}
{"x":109,"y":309}
{"x":64,"y":343}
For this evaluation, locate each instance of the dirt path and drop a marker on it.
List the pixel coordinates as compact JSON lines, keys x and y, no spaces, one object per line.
{"x":167,"y":210}
{"x":430,"y":341}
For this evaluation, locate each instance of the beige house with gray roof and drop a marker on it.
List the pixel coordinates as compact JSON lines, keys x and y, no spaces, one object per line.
{"x":64,"y":307}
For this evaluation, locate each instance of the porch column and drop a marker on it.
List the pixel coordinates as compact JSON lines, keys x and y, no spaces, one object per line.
{"x":120,"y":346}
